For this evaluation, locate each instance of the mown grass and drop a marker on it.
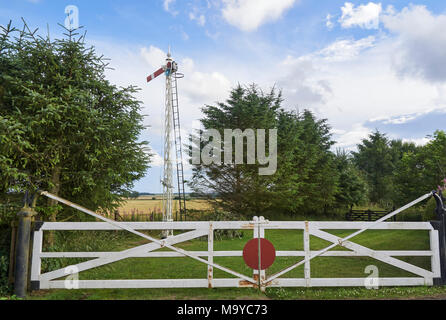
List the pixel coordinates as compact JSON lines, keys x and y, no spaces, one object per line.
{"x":170,"y":268}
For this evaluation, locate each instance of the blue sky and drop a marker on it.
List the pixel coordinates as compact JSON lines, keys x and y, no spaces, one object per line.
{"x":362,"y":65}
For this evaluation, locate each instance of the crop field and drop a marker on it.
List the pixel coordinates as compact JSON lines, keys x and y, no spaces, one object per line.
{"x":154,"y":204}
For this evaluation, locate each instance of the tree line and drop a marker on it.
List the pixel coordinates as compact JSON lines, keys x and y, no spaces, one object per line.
{"x":311,"y":178}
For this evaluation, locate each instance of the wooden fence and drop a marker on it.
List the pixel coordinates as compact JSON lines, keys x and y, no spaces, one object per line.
{"x":367,"y":215}
{"x":258,"y":278}
{"x":319,"y":229}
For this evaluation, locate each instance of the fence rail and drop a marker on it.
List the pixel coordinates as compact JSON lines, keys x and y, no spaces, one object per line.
{"x":367,"y":215}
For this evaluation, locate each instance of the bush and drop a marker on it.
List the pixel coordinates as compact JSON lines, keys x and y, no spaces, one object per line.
{"x":429,"y":210}
{"x":5,"y":242}
{"x":411,"y":214}
{"x":219,"y":234}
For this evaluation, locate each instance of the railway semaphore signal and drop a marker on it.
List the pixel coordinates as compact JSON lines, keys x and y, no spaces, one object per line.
{"x":171,"y":121}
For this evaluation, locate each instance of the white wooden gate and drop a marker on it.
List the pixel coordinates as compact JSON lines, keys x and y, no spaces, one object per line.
{"x":259,"y":226}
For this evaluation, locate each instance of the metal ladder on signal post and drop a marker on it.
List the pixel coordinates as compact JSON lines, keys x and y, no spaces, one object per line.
{"x":178,"y":147}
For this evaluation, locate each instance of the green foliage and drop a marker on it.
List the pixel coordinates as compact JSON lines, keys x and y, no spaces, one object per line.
{"x":423,"y":170}
{"x":352,"y":188}
{"x":305,"y":180}
{"x":5,"y":237}
{"x":221,"y":234}
{"x":63,"y":127}
{"x":375,"y":160}
{"x":240,"y":188}
{"x":398,"y":172}
{"x":8,"y":213}
{"x":429,"y":210}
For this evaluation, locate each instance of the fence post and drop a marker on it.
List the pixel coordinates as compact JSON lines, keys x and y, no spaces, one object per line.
{"x":211,"y":255}
{"x":255,"y":234}
{"x":36,"y":260}
{"x":21,"y":267}
{"x":439,"y":225}
{"x":262,"y":273}
{"x":307,"y":271}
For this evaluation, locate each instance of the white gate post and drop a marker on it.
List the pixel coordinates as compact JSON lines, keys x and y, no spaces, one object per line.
{"x":255,"y":273}
{"x":435,"y":258}
{"x":210,"y":255}
{"x":262,"y":235}
{"x":307,"y":271}
{"x":36,"y":260}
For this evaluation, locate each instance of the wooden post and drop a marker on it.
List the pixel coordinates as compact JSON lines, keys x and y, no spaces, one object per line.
{"x":307,"y":271}
{"x":435,"y":258}
{"x":261,"y":235}
{"x":211,"y":256}
{"x":25,"y":216}
{"x":255,"y":273}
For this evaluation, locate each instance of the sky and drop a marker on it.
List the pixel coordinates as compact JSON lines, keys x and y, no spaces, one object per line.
{"x":361,"y":65}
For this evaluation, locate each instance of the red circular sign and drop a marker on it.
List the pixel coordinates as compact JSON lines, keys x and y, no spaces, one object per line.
{"x":251,"y":253}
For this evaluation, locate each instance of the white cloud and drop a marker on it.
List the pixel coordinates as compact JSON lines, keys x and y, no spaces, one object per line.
{"x":346,"y":49}
{"x":420,"y":46}
{"x":400,"y":119}
{"x":184,"y":35}
{"x":154,"y":56}
{"x":167,"y":3}
{"x":349,"y":139}
{"x":351,"y":82}
{"x":329,"y":24}
{"x":303,"y":79}
{"x":199,"y":18}
{"x":364,"y":16}
{"x":248,"y":15}
{"x":197,"y":88}
{"x":204,"y":87}
{"x":418,"y":142}
{"x":167,"y":7}
{"x":299,"y":83}
{"x":156,"y":159}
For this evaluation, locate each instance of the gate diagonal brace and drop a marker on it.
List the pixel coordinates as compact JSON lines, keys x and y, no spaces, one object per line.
{"x":157,"y":241}
{"x":120,"y":255}
{"x":340,"y":241}
{"x":372,"y":253}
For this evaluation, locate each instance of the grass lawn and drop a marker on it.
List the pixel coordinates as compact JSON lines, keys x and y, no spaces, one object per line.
{"x":170,"y":268}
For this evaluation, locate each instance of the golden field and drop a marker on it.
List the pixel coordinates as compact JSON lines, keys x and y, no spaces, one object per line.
{"x":145,"y":205}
